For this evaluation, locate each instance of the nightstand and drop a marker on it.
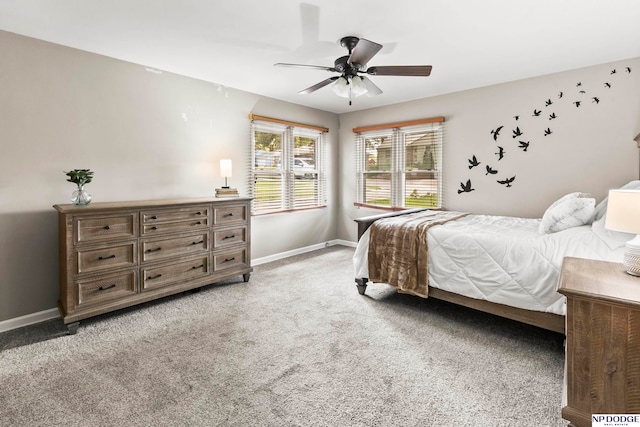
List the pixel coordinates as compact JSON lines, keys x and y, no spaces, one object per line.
{"x":602,"y":373}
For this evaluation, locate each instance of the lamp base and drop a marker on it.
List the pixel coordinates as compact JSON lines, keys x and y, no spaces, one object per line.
{"x":227,"y":192}
{"x":632,"y":256}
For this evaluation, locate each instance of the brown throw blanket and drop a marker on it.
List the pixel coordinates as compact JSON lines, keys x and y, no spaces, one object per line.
{"x":398,"y":249}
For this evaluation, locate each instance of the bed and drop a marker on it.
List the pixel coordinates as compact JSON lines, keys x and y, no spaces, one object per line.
{"x":501,"y":265}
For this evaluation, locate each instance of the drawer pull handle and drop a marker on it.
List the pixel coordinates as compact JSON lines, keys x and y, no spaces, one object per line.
{"x":229,"y":214}
{"x":104,"y":288}
{"x":101,"y":258}
{"x":154,"y":277}
{"x":197,"y":243}
{"x":229,"y":237}
{"x":154,"y":217}
{"x":229,"y":259}
{"x":154,"y":249}
{"x":106,"y":227}
{"x":153,"y":228}
{"x":195,"y":267}
{"x":199,"y":222}
{"x":198,"y":213}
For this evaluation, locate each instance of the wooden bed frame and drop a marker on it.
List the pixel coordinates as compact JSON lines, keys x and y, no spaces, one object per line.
{"x":550,"y":321}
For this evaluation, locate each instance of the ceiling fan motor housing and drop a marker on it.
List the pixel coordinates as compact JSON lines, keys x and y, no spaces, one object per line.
{"x":347,"y":69}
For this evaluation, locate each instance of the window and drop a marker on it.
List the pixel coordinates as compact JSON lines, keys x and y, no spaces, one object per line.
{"x":399,"y":165}
{"x":289,"y":165}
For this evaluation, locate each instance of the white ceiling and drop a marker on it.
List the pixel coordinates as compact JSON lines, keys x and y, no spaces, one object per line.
{"x":234,"y":43}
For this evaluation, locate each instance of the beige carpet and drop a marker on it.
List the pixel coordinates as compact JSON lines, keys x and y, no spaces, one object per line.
{"x":296,"y":346}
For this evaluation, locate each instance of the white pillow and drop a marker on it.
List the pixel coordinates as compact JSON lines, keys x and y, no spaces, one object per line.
{"x":571,"y":210}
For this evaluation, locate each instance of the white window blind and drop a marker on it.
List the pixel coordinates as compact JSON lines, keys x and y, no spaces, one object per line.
{"x":400,"y":165}
{"x":289,"y":166}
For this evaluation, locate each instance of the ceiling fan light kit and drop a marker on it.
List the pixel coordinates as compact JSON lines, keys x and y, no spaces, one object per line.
{"x":349,"y":83}
{"x":354,"y":86}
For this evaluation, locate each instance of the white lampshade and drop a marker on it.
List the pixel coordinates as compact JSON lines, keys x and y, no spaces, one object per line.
{"x":225,"y":168}
{"x":623,"y":214}
{"x":623,"y":211}
{"x":341,"y":87}
{"x":357,"y":86}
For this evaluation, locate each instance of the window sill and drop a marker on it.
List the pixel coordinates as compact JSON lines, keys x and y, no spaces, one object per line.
{"x":287,"y":211}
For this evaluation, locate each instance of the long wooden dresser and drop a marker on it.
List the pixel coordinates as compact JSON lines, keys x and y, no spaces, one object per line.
{"x":119,"y":254}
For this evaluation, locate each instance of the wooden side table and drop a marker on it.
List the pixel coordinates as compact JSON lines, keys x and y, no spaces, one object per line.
{"x":602,"y":371}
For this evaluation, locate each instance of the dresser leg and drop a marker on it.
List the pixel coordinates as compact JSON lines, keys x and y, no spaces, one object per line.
{"x":246,"y":276}
{"x":73,"y":327}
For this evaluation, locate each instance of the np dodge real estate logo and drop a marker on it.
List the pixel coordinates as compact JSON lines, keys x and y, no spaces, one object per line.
{"x":615,"y":420}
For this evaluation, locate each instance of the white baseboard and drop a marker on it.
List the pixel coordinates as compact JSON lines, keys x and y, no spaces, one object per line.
{"x":30,"y":319}
{"x":345,"y":243}
{"x":299,"y":251}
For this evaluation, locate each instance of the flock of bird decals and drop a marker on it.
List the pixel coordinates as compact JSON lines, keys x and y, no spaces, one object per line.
{"x":518,"y":134}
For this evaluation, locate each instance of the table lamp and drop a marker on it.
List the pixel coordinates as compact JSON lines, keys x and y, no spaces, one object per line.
{"x":623,"y":214}
{"x":225,"y":172}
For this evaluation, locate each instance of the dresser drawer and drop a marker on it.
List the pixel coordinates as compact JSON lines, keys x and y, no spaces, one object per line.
{"x":228,"y":215}
{"x":176,"y":214}
{"x":106,"y":288}
{"x":164,"y":275}
{"x":230,"y":259}
{"x":155,"y":249}
{"x":167,"y":227}
{"x":107,"y":257}
{"x":92,"y":228}
{"x":229,"y":236}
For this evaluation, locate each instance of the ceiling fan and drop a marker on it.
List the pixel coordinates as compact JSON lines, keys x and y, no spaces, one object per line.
{"x":350,"y":66}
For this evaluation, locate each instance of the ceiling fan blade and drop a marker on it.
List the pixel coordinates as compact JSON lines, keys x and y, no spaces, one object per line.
{"x":313,"y":67}
{"x":364,"y":51}
{"x":400,"y":70}
{"x":319,"y":85}
{"x":372,"y":89}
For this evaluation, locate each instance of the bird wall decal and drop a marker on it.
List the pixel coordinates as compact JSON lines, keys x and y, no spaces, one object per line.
{"x":466,"y":188}
{"x":495,"y":132}
{"x":507,"y":181}
{"x":473,"y":162}
{"x":517,"y":132}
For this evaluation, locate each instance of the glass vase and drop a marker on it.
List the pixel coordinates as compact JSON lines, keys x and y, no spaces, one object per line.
{"x":80,"y":196}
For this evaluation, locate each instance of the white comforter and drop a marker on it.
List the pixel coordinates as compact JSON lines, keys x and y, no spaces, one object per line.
{"x":504,"y":259}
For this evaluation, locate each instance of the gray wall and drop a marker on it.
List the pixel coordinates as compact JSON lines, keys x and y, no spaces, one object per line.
{"x":149,"y":135}
{"x":145,"y":135}
{"x":591,"y":148}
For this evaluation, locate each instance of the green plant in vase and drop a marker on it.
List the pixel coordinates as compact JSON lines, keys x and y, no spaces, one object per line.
{"x":80,"y":177}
